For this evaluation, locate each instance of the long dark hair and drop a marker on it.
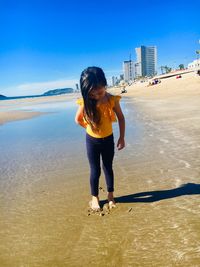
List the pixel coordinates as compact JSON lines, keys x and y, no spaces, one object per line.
{"x":91,"y":78}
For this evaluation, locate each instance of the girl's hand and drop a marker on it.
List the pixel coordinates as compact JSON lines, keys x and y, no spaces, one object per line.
{"x":120,"y":143}
{"x":121,"y":122}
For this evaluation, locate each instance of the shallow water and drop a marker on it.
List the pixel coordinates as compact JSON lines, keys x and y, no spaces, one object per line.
{"x":44,"y":192}
{"x":45,"y":143}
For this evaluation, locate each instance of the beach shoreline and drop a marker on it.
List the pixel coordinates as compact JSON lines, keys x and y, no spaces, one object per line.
{"x":166,"y":94}
{"x":9,"y":109}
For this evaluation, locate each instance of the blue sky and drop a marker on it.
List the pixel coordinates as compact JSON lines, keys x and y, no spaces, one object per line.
{"x":46,"y":44}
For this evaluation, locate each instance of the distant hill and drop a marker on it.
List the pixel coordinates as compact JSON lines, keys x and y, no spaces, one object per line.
{"x":48,"y":93}
{"x":2,"y":97}
{"x":59,"y":91}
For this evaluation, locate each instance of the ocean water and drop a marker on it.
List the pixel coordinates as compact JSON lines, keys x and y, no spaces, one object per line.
{"x":40,"y":144}
{"x":48,"y":143}
{"x":48,"y":149}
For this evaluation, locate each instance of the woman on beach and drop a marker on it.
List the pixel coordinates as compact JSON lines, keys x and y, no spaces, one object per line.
{"x":97,"y":110}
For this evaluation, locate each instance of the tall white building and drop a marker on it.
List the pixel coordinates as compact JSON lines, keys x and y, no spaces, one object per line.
{"x":129,"y":70}
{"x":146,"y":61}
{"x":195,"y":64}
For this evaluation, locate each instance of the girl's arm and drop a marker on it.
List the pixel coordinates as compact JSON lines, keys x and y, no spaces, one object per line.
{"x":121,"y":122}
{"x":79,"y":117}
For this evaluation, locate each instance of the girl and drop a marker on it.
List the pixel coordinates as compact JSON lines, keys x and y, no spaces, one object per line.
{"x":97,"y":110}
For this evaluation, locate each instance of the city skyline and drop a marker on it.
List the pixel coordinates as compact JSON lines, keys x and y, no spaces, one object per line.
{"x":46,"y":45}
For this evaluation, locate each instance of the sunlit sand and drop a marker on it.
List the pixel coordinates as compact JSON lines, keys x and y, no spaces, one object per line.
{"x":44,"y":218}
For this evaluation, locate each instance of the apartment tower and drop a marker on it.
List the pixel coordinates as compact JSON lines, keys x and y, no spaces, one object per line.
{"x":146,"y":61}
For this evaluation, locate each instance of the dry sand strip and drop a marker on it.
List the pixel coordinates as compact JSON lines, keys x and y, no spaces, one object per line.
{"x":14,"y":103}
{"x":7,"y":116}
{"x":172,"y":100}
{"x":9,"y":108}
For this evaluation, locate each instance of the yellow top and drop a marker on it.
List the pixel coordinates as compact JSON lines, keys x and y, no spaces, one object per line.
{"x":107,"y":117}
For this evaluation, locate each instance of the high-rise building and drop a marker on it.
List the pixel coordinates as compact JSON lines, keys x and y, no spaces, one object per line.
{"x":129,"y":70}
{"x":121,"y":77}
{"x":115,"y":80}
{"x":146,"y":61}
{"x":138,"y":70}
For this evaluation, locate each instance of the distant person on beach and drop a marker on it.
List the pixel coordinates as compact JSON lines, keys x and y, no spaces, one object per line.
{"x":97,"y":110}
{"x":154,"y":82}
{"x":123,"y":87}
{"x":123,"y":90}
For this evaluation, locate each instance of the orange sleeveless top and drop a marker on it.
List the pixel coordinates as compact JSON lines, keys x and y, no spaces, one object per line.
{"x":107,"y":117}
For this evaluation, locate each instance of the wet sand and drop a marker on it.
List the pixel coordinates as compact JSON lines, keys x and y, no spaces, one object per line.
{"x":156,"y":222}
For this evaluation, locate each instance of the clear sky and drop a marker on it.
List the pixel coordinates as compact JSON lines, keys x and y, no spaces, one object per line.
{"x":46,"y":44}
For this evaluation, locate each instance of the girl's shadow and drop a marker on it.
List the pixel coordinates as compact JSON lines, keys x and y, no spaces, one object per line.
{"x":153,"y":196}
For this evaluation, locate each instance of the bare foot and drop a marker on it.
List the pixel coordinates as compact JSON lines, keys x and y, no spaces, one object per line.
{"x":111,"y":204}
{"x":111,"y":201}
{"x":94,"y":203}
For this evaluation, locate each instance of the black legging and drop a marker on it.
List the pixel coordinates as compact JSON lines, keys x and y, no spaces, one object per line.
{"x":103,"y":147}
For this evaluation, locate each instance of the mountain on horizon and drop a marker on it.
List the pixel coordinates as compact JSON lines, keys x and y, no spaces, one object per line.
{"x":59,"y":91}
{"x":3,"y":97}
{"x":48,"y":93}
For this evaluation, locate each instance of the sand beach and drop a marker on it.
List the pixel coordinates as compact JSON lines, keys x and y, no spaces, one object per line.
{"x":44,"y":215}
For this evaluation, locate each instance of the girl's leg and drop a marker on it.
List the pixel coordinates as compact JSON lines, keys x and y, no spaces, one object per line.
{"x":107,"y":158}
{"x":93,"y":153}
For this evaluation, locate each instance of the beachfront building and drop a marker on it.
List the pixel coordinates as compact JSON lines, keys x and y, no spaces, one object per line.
{"x":138,"y":70}
{"x":121,"y":77}
{"x":195,"y":64}
{"x":146,"y":61}
{"x":129,"y":70}
{"x":115,"y":80}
